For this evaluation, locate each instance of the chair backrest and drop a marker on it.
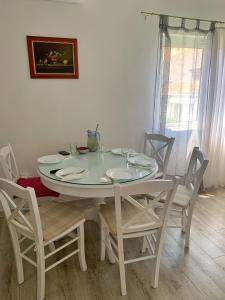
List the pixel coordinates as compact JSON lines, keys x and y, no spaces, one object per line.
{"x":196,"y":169}
{"x":145,"y":213}
{"x":160,"y":149}
{"x":8,"y":163}
{"x":13,"y":199}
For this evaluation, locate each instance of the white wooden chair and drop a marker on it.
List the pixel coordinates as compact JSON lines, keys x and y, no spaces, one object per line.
{"x":10,"y":171}
{"x":159,"y":147}
{"x":124,"y":218}
{"x":40,"y":227}
{"x":187,"y":192}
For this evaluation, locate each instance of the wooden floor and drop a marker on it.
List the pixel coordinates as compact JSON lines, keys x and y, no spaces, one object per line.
{"x":184,"y":275}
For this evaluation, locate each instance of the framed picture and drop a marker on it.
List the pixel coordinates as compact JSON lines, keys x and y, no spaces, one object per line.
{"x":51,"y":57}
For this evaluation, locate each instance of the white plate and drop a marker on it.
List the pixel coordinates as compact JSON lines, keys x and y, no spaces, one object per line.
{"x":121,"y":173}
{"x":50,"y":159}
{"x":67,"y":171}
{"x":120,"y":151}
{"x":141,"y":161}
{"x":70,"y":173}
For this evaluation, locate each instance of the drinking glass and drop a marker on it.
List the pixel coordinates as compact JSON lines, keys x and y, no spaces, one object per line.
{"x":125,"y":154}
{"x":73,"y":149}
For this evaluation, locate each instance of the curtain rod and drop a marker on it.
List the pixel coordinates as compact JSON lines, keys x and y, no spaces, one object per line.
{"x":156,"y":14}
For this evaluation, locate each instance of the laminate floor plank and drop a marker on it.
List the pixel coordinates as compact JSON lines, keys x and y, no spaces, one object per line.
{"x":216,"y":236}
{"x":221,"y":261}
{"x":187,"y":262}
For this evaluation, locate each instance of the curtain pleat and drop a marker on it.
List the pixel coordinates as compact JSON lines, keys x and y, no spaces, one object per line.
{"x":213,"y":141}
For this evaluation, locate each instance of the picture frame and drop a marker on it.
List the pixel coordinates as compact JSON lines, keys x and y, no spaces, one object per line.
{"x":52,"y":57}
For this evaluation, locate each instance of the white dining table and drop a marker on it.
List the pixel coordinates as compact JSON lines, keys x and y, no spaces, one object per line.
{"x":91,"y":184}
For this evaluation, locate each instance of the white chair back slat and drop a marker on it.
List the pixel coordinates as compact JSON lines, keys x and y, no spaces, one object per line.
{"x":135,"y":188}
{"x":23,"y":230}
{"x":14,"y":198}
{"x":151,"y":219}
{"x":196,"y":169}
{"x":145,"y":212}
{"x":135,"y":203}
{"x":156,"y":152}
{"x":8,"y":163}
{"x":160,"y":149}
{"x":16,"y":212}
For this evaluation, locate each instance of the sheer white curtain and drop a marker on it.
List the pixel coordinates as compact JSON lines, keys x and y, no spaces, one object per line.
{"x":213,"y":141}
{"x":181,"y":92}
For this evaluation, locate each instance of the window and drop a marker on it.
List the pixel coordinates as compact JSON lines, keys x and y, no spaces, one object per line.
{"x":183,"y":86}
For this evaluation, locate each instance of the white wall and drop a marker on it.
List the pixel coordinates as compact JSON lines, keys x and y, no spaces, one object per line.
{"x":116,"y":63}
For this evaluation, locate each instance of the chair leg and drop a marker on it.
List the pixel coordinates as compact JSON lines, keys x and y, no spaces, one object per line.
{"x":40,"y":273}
{"x":81,"y":253}
{"x":156,"y":261}
{"x":187,"y":235}
{"x":103,"y":237}
{"x":110,"y":250}
{"x":188,"y":226}
{"x":18,"y":258}
{"x":183,"y":220}
{"x":122,"y":267}
{"x":155,"y":280}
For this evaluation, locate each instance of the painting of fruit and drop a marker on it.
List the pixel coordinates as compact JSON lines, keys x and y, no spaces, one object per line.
{"x":52,"y":57}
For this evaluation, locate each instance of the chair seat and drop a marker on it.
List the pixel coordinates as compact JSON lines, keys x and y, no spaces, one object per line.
{"x":128,"y":212}
{"x":40,"y":189}
{"x":182,"y":196}
{"x":56,"y":218}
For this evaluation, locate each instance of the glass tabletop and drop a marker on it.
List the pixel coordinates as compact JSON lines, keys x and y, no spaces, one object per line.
{"x":96,"y":165}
